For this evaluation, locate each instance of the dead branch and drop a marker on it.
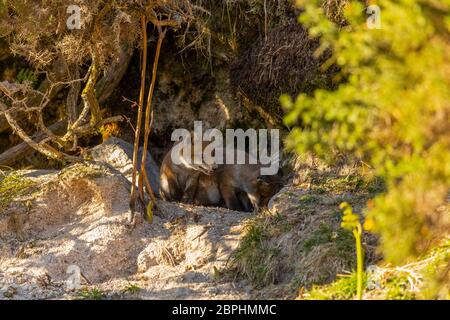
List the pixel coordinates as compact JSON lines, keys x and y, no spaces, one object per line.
{"x":41,"y":146}
{"x":90,"y":104}
{"x":50,"y":85}
{"x":14,"y":93}
{"x":104,"y":87}
{"x":22,"y":149}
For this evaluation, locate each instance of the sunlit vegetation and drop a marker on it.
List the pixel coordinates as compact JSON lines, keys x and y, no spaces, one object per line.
{"x":390,"y":110}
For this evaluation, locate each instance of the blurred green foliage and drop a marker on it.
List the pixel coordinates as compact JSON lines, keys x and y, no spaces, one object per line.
{"x":391,"y":109}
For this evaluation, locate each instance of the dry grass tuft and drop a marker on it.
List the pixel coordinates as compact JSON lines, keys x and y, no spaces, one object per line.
{"x":300,"y":242}
{"x":282,"y":63}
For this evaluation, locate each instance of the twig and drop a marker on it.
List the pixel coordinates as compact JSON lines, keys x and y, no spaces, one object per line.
{"x":148,"y":112}
{"x":139,"y":119}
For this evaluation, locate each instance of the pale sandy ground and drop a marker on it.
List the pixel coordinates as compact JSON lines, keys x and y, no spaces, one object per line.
{"x":82,"y":221}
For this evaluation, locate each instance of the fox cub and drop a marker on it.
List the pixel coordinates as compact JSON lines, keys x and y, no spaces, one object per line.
{"x":178,"y":182}
{"x":237,"y":187}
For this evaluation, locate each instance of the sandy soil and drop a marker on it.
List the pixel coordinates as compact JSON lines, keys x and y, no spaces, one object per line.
{"x":76,"y":223}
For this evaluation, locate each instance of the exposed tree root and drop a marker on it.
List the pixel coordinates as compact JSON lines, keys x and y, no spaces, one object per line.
{"x":139,"y":119}
{"x":143,"y":178}
{"x":148,"y":114}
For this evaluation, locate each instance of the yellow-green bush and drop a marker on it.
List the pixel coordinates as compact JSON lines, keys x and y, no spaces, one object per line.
{"x":391,"y":110}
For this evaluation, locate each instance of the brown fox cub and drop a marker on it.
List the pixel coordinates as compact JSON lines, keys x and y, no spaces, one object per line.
{"x":178,"y":182}
{"x":238,"y":187}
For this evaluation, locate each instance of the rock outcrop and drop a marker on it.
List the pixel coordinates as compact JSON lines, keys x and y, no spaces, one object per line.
{"x":119,"y":154}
